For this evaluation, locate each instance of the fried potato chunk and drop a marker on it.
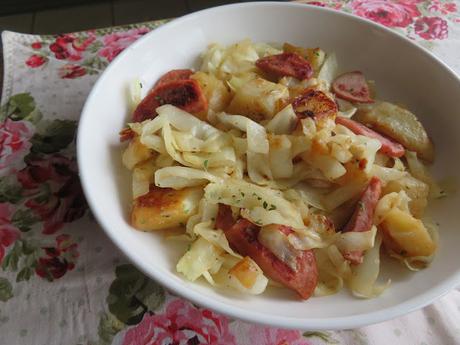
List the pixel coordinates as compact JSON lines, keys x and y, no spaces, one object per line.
{"x":315,"y":56}
{"x":399,"y":124}
{"x":135,"y":153}
{"x":214,"y":90}
{"x":315,"y":104}
{"x":259,"y":99}
{"x":416,"y":190}
{"x":163,"y":208}
{"x":406,"y":235}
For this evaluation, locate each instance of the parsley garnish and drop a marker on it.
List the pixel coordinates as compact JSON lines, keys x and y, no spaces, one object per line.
{"x":205,"y":163}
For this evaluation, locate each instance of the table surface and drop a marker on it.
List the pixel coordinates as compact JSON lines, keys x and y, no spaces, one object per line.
{"x":62,"y":281}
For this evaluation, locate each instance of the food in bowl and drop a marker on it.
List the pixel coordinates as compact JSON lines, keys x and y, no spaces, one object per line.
{"x":279,"y":170}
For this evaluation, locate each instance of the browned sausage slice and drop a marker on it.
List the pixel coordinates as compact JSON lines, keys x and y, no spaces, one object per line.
{"x":184,"y":94}
{"x":389,"y":147}
{"x":173,"y":75}
{"x":126,"y":134}
{"x":315,"y":104}
{"x":224,"y":218}
{"x":363,"y":216}
{"x":242,"y":236}
{"x":352,"y":86}
{"x":286,"y":64}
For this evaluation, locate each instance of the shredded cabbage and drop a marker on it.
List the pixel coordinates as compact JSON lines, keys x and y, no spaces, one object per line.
{"x":202,"y":257}
{"x":143,"y":178}
{"x":419,"y":171}
{"x":261,"y":205}
{"x":329,"y":69}
{"x":254,"y":154}
{"x":356,"y":241}
{"x":364,"y":276}
{"x":178,"y":177}
{"x":346,"y":109}
{"x":135,"y":93}
{"x":216,"y":237}
{"x":277,"y":242}
{"x":283,"y":122}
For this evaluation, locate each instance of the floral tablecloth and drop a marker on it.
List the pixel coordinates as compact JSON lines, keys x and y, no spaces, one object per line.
{"x":62,"y":281}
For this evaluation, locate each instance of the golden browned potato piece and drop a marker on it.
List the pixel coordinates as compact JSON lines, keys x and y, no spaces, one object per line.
{"x":259,"y":99}
{"x":400,"y":124}
{"x":314,"y":55}
{"x":406,"y":235}
{"x":135,"y":153}
{"x":215,"y":91}
{"x":246,"y":272}
{"x":163,"y":208}
{"x":416,"y":190}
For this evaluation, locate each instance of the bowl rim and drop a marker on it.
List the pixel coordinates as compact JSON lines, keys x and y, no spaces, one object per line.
{"x":333,"y":323}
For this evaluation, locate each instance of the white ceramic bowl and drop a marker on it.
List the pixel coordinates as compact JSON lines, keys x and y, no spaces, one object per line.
{"x":403,"y":73}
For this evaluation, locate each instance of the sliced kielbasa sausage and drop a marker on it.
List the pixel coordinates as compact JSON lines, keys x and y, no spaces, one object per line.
{"x":363,"y":216}
{"x":352,"y":86}
{"x":173,"y":75}
{"x":286,"y":64}
{"x":185,"y":94}
{"x":242,"y":236}
{"x":389,"y":147}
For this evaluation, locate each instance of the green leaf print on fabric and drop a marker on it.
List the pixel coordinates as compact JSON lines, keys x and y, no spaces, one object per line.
{"x":24,"y":274}
{"x":132,"y":294}
{"x":20,"y":107}
{"x":54,"y":136}
{"x":22,"y":257}
{"x":357,"y":337}
{"x":39,"y":191}
{"x":10,"y":261}
{"x":108,"y":327}
{"x":6,"y":290}
{"x":10,"y":190}
{"x":24,"y":219}
{"x":325,"y":336}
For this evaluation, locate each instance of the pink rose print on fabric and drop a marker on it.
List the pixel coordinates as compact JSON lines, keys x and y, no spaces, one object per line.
{"x":69,"y":47}
{"x":70,"y":71}
{"x":336,"y":5}
{"x":315,"y":3}
{"x":274,"y":336}
{"x":8,"y":233}
{"x":53,"y":189}
{"x":36,"y":45}
{"x":35,"y":61}
{"x":442,"y":7}
{"x":430,"y":28}
{"x":115,"y":43}
{"x":386,"y":12}
{"x":57,"y":260}
{"x":181,"y":324}
{"x":14,"y":145}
